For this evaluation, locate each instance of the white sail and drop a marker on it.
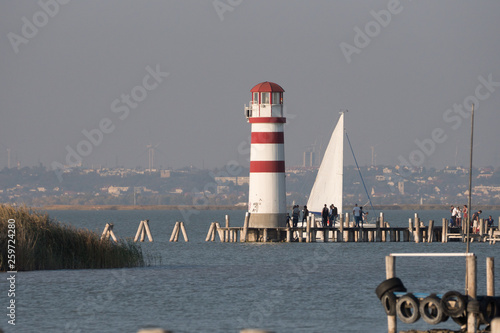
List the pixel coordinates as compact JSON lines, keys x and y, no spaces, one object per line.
{"x":328,"y":187}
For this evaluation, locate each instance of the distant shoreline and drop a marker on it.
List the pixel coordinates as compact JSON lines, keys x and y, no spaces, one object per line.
{"x":232,"y":207}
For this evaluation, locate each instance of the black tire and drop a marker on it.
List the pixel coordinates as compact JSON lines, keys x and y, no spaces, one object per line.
{"x":407,"y":309}
{"x":431,"y":310}
{"x":453,"y":304}
{"x":460,"y":320}
{"x":488,"y":309}
{"x":389,"y":303}
{"x":392,"y":284}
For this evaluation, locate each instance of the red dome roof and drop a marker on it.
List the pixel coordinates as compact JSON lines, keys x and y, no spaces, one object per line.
{"x":267,"y":87}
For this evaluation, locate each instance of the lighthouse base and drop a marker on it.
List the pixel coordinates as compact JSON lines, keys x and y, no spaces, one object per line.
{"x":267,"y":220}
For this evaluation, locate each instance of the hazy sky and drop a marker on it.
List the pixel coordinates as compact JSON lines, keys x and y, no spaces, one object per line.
{"x":177,"y":74}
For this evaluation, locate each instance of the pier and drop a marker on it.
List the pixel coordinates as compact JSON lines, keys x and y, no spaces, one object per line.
{"x":345,"y":231}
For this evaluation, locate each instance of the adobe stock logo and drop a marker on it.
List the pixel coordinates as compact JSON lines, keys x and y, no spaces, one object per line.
{"x":221,"y":7}
{"x":30,"y":28}
{"x":363,"y":38}
{"x":120,"y":106}
{"x":454,"y":116}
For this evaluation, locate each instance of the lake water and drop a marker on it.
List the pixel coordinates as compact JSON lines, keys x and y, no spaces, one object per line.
{"x":224,"y":287}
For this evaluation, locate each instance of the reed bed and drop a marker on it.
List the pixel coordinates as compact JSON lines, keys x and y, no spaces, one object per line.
{"x":41,"y":243}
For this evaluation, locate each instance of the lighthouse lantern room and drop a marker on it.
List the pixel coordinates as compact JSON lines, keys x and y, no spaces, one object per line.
{"x":267,"y":193}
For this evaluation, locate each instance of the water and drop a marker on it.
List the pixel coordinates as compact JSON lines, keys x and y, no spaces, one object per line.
{"x":225,"y":287}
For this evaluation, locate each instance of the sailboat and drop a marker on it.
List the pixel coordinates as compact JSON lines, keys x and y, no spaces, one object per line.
{"x":328,"y":187}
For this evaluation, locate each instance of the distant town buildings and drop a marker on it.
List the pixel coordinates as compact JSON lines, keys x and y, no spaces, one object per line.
{"x":386,"y":184}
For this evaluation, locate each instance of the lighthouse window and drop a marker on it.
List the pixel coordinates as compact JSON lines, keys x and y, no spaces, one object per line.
{"x":264,"y":98}
{"x":276,"y":98}
{"x":255,"y":98}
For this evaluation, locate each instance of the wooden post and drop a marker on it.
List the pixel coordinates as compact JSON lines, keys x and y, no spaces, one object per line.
{"x":346,"y":228}
{"x":177,"y":232}
{"x":495,"y":325}
{"x":210,"y":231}
{"x":417,"y":228}
{"x":219,"y":230}
{"x":245,"y":227}
{"x":390,"y":272}
{"x":288,"y":235}
{"x":481,"y":228}
{"x":105,"y":231}
{"x":380,"y":221}
{"x":143,"y":235}
{"x":313,"y":227}
{"x":340,"y":237}
{"x":410,"y":227}
{"x":444,"y":237}
{"x":184,"y":233}
{"x":264,"y":236}
{"x":148,"y":231}
{"x":226,"y":232}
{"x":490,"y":276}
{"x":141,"y":225}
{"x":471,"y":267}
{"x":111,"y":233}
{"x":108,"y":231}
{"x":430,"y":232}
{"x":308,"y":229}
{"x":174,"y":232}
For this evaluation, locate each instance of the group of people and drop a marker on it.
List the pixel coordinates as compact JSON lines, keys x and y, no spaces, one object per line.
{"x":296,"y":215}
{"x":359,"y":216}
{"x":329,"y":215}
{"x":461,"y":215}
{"x":458,"y":214}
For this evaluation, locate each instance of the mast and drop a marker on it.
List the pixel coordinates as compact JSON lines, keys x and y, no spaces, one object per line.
{"x":470,"y":177}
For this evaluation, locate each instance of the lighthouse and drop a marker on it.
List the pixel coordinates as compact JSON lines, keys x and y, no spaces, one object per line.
{"x":267,"y":193}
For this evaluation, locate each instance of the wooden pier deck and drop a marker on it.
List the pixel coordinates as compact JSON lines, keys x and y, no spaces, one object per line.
{"x":312,"y":231}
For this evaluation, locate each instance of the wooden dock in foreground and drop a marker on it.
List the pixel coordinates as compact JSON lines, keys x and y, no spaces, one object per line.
{"x":345,"y":232}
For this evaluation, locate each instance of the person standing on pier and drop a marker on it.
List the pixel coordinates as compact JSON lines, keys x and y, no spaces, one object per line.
{"x":324,"y":216}
{"x":330,"y":216}
{"x":475,"y":221}
{"x":453,"y":212}
{"x":362,"y":216}
{"x":459,"y":217}
{"x":335,"y":213}
{"x":305,"y":214}
{"x":295,"y":215}
{"x":465,"y":213}
{"x":490,"y":222}
{"x":357,"y":215}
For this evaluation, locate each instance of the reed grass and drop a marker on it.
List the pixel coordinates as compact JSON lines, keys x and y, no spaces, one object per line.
{"x":42,"y":243}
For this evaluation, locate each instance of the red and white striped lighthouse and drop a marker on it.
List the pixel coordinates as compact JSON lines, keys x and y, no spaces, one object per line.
{"x":267,"y":193}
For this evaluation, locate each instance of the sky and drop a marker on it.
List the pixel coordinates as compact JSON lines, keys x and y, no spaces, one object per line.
{"x":97,"y":82}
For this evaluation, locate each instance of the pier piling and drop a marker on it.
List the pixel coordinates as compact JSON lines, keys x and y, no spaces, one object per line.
{"x":490,"y":276}
{"x":108,"y":232}
{"x":390,"y":272}
{"x":471,"y":291}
